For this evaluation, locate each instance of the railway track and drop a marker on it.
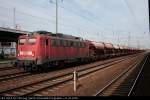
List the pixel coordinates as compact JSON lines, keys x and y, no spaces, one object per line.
{"x":14,"y":76}
{"x":20,"y":74}
{"x":6,"y":68}
{"x":35,"y":87}
{"x":123,"y":84}
{"x":137,"y":78}
{"x":10,"y":73}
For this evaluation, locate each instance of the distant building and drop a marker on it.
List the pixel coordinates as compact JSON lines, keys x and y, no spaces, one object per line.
{"x":9,"y":48}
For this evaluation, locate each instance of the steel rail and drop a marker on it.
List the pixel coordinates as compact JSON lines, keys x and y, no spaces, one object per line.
{"x":131,"y":90}
{"x":116,"y":78}
{"x":81,"y":73}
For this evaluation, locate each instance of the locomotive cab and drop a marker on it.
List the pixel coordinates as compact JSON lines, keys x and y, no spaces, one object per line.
{"x":26,"y":51}
{"x":26,"y":54}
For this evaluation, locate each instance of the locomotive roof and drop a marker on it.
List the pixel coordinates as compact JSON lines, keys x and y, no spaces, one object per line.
{"x":60,"y":35}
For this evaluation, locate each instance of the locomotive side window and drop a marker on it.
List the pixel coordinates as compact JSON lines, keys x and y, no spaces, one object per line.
{"x":65,"y":43}
{"x":84,"y":45}
{"x":74,"y":44}
{"x":32,"y":41}
{"x":61,"y":43}
{"x":53,"y":42}
{"x":80,"y":44}
{"x":71,"y":43}
{"x":58,"y":42}
{"x":22,"y":41}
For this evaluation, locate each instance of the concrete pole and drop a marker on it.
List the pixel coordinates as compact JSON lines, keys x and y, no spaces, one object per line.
{"x":14,"y":17}
{"x":149,"y":15}
{"x":56,"y":16}
{"x":75,"y":81}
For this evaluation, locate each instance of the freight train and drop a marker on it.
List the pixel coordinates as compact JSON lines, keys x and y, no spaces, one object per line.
{"x":43,"y":49}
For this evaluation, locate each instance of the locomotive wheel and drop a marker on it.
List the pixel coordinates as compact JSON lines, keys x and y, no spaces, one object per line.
{"x":15,"y":64}
{"x":27,"y":68}
{"x":34,"y":67}
{"x":43,"y":67}
{"x":61,"y":63}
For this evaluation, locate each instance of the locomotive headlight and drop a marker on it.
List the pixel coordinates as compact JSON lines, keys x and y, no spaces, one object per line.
{"x":32,"y":53}
{"x":21,"y":53}
{"x":28,"y":53}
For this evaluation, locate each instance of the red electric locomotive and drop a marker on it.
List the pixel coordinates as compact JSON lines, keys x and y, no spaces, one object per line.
{"x":44,"y":48}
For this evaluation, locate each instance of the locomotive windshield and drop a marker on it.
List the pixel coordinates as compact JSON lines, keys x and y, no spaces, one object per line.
{"x":32,"y":40}
{"x":22,"y":41}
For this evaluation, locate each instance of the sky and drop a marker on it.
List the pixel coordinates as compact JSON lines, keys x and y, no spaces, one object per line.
{"x":123,"y":22}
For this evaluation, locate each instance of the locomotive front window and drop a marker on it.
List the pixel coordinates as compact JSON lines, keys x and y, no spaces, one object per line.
{"x":22,"y":41}
{"x":53,"y":42}
{"x":32,"y":40}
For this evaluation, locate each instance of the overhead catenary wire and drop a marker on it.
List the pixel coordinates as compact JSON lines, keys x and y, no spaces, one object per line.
{"x":81,"y":27}
{"x":139,"y":27}
{"x":83,"y":17}
{"x":35,"y":19}
{"x":133,"y":15}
